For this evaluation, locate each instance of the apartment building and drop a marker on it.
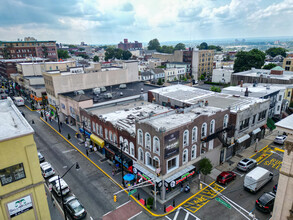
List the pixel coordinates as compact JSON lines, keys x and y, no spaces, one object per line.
{"x":288,"y":64}
{"x":202,"y":63}
{"x":28,"y":48}
{"x":172,"y":74}
{"x":125,"y":45}
{"x":22,"y":190}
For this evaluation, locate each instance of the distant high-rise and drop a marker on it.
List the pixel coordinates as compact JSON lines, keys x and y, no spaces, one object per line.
{"x":128,"y":45}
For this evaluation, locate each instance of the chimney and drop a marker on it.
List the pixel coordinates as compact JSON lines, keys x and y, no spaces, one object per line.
{"x":246,"y":92}
{"x":241,"y":83}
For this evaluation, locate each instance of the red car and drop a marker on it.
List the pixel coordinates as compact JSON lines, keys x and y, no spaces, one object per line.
{"x":226,"y":177}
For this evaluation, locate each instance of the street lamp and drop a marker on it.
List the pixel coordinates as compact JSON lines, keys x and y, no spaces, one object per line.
{"x":58,"y":118}
{"x":83,"y":124}
{"x":60,"y":188}
{"x":122,"y":146}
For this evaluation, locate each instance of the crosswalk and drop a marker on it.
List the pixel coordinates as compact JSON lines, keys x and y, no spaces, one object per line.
{"x":181,"y":214}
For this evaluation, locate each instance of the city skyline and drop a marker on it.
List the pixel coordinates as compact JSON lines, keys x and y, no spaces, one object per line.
{"x":107,"y":22}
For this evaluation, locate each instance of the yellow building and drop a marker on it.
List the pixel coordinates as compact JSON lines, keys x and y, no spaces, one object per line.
{"x":288,"y":64}
{"x":22,"y":192}
{"x":288,"y":94}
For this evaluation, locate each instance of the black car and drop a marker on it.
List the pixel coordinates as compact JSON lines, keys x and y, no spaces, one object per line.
{"x":74,"y":208}
{"x":265,"y":203}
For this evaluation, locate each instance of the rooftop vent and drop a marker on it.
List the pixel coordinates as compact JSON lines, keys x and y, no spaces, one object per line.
{"x":79,"y":92}
{"x":122,"y":86}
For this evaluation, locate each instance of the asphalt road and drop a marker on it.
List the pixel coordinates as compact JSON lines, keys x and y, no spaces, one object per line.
{"x":91,"y":186}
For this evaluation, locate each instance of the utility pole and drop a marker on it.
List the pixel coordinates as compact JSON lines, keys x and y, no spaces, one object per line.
{"x":155,"y":205}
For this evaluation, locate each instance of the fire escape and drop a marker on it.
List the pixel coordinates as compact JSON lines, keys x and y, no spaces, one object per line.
{"x":219,"y":134}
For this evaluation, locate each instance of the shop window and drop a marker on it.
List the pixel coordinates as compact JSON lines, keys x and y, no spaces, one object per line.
{"x":106,"y":133}
{"x":140,"y":154}
{"x":194,"y":134}
{"x":185,"y":156}
{"x":148,"y":141}
{"x":193,"y":152}
{"x":225,"y":122}
{"x":212,"y":127}
{"x":131,"y":145}
{"x":204,"y":130}
{"x":185,"y":138}
{"x":140,"y":137}
{"x":12,"y":174}
{"x":156,"y":145}
{"x":172,"y":164}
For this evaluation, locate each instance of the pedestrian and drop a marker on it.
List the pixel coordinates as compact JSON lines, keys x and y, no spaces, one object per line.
{"x":42,"y":115}
{"x":61,"y":124}
{"x":50,"y":119}
{"x":91,"y":148}
{"x":181,"y":185}
{"x":68,"y":137}
{"x":87,"y":152}
{"x":113,"y":172}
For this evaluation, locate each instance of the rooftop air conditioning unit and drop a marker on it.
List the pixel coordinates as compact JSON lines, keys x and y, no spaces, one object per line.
{"x":97,"y":91}
{"x":122,"y":86}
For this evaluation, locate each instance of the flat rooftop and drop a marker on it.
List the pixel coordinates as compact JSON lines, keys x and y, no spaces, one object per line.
{"x":133,"y":88}
{"x":265,"y":74}
{"x":286,"y":123}
{"x":12,"y":123}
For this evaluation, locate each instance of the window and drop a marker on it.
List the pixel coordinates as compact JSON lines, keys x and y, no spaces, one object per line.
{"x":280,"y":97}
{"x":185,"y":156}
{"x":148,"y":141}
{"x":262,"y":115}
{"x":106,"y":133}
{"x":62,"y":106}
{"x":156,"y":162}
{"x":148,"y":159}
{"x":225,"y":122}
{"x":126,"y":146}
{"x":244,"y":124}
{"x":12,"y":174}
{"x":212,"y":127}
{"x":194,"y":134}
{"x":140,"y":137}
{"x":131,"y":149}
{"x":203,"y":130}
{"x":156,"y":145}
{"x":111,"y":135}
{"x":115,"y":138}
{"x":140,"y":154}
{"x":287,"y":68}
{"x":185,"y":138}
{"x":203,"y":148}
{"x":101,"y":131}
{"x":288,"y":62}
{"x":193,"y":152}
{"x":253,"y":119}
{"x":289,"y":93}
{"x":97,"y":128}
{"x":172,"y":164}
{"x":278,"y":109}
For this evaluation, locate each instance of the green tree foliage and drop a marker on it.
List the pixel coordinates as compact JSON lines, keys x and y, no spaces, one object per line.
{"x":227,"y":58}
{"x":80,"y":49}
{"x":71,"y":46}
{"x":180,"y":46}
{"x":246,"y":60}
{"x":84,"y":56}
{"x":275,"y":51}
{"x":166,"y":49}
{"x":96,"y":59}
{"x":63,"y":54}
{"x":112,"y":53}
{"x":160,"y":82}
{"x":215,"y":89}
{"x":154,"y":44}
{"x":6,"y":53}
{"x":203,"y":46}
{"x":205,"y":166}
{"x":269,"y":66}
{"x":214,"y":47}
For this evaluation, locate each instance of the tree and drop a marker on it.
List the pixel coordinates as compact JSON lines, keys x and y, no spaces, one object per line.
{"x":154,"y":44}
{"x":215,"y":89}
{"x":275,"y":51}
{"x":109,"y":53}
{"x":96,"y":59}
{"x":63,"y":54}
{"x":213,"y":47}
{"x":6,"y":53}
{"x":203,"y":46}
{"x":126,"y":55}
{"x":246,"y":60}
{"x":71,"y":46}
{"x":180,"y":46}
{"x":160,"y":82}
{"x":269,"y":66}
{"x":205,"y":166}
{"x":166,"y":49}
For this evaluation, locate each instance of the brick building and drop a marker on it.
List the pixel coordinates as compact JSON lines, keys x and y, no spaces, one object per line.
{"x":29,"y":48}
{"x":128,"y":45}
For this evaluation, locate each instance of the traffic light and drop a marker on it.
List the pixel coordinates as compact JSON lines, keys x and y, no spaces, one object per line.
{"x":115,"y":198}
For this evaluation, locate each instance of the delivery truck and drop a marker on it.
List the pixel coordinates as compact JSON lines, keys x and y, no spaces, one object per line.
{"x":257,"y":178}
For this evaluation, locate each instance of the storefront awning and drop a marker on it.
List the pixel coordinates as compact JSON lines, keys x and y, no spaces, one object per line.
{"x":180,"y":173}
{"x":86,"y":132}
{"x":146,"y":172}
{"x":243,"y":138}
{"x":255,"y":131}
{"x":97,"y":140}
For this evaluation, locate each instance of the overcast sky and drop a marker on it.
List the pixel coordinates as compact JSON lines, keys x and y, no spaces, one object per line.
{"x":109,"y":21}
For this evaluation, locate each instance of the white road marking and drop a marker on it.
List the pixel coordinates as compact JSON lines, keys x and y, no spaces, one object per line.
{"x":239,"y":174}
{"x":186,"y":216}
{"x":135,"y":215}
{"x":176,"y":215}
{"x":123,"y":204}
{"x":108,"y":213}
{"x":190,"y":213}
{"x":67,"y":151}
{"x":168,"y":217}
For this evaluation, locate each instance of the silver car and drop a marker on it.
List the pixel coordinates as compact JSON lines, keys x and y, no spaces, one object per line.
{"x":280,"y":139}
{"x":246,"y":164}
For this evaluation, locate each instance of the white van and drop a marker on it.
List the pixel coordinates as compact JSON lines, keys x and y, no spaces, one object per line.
{"x":18,"y":101}
{"x":257,"y":178}
{"x":55,"y":185}
{"x":47,"y":169}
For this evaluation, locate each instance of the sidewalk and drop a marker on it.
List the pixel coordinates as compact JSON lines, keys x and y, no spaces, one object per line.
{"x":106,"y":166}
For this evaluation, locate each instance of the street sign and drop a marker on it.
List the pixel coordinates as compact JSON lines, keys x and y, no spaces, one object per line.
{"x":223,"y":202}
{"x":132,"y":192}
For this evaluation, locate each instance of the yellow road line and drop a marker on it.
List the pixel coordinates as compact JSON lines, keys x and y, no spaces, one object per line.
{"x":265,"y":158}
{"x":30,"y":108}
{"x":259,"y":151}
{"x":114,"y":181}
{"x":279,"y":149}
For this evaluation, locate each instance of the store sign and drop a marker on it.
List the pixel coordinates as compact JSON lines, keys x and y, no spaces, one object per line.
{"x":20,"y":206}
{"x":171,"y":144}
{"x":145,"y":177}
{"x":119,"y":160}
{"x":184,"y":177}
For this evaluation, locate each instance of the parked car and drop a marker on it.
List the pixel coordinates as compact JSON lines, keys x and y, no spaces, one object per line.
{"x":280,"y":139}
{"x":275,"y":188}
{"x":246,"y":164}
{"x":226,"y":177}
{"x":74,"y":208}
{"x":265,"y":203}
{"x":41,"y":157}
{"x":47,"y":169}
{"x":257,"y":178}
{"x":55,"y":185}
